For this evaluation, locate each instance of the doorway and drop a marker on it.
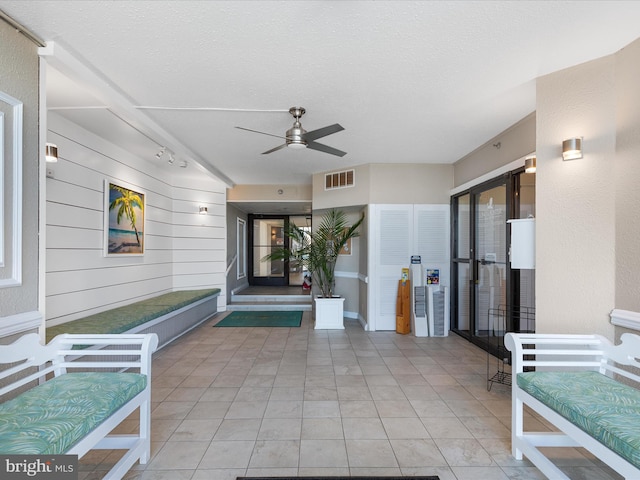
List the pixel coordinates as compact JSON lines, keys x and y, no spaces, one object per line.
{"x":482,"y":280}
{"x":267,"y":232}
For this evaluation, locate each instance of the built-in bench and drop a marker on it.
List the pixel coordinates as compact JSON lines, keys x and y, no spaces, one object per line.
{"x":59,"y":400}
{"x":168,"y":315}
{"x":582,"y":384}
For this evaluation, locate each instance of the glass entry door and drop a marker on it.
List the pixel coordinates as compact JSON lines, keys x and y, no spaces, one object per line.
{"x":266,"y":232}
{"x":489,"y":256}
{"x":479,"y":262}
{"x":482,"y":279}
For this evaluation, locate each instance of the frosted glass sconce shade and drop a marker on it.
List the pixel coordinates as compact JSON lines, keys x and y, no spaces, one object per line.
{"x":51,"y":153}
{"x":530,"y":164}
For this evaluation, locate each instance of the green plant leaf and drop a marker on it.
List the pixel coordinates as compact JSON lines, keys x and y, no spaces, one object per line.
{"x":319,"y":249}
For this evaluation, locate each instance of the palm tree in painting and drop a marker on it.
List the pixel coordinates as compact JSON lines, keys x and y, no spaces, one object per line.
{"x":125,"y":204}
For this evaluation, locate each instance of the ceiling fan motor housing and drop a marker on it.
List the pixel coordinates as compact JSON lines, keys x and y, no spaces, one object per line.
{"x":295,"y":133}
{"x":294,"y":136}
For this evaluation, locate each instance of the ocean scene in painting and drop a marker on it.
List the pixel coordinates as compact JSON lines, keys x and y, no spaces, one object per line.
{"x":126,"y":221}
{"x":124,"y":241}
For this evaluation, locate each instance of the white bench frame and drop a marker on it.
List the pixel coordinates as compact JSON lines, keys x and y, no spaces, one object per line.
{"x":122,"y":352}
{"x":566,"y":353}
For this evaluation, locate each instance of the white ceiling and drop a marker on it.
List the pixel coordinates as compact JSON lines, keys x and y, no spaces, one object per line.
{"x":410,"y":81}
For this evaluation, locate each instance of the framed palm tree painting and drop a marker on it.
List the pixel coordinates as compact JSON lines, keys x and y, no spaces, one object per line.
{"x":124,"y":213}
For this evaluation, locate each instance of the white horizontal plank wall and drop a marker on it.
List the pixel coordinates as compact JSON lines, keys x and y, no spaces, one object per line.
{"x":183,"y":250}
{"x":199,"y":242}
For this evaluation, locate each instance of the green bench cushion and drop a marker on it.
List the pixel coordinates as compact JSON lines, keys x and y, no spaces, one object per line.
{"x":122,"y":319}
{"x":54,"y":416}
{"x":176,"y":300}
{"x":607,"y":410}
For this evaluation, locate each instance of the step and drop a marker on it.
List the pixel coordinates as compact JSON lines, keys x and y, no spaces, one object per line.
{"x":269,"y":306}
{"x":271,"y":298}
{"x":257,"y":301}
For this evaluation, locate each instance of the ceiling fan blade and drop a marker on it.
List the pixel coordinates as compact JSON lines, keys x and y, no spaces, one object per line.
{"x":275,"y":149}
{"x":324,"y":148}
{"x":263,"y":133}
{"x":323,"y":132}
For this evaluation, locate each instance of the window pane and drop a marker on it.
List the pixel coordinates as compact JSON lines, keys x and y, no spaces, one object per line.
{"x":464,"y":228}
{"x":463,"y":296}
{"x":241,"y":248}
{"x":267,"y":234}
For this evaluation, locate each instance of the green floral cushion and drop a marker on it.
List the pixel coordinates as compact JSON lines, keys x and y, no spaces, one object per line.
{"x":52,"y":417}
{"x":607,"y":410}
{"x":122,"y":319}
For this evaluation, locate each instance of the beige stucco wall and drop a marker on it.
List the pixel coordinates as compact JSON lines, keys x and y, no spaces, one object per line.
{"x":392,"y":183}
{"x":19,"y":78}
{"x":388,"y":183}
{"x":269,"y":193}
{"x":627,"y":178}
{"x":342,"y":197}
{"x":576,"y":201}
{"x":515,"y":142}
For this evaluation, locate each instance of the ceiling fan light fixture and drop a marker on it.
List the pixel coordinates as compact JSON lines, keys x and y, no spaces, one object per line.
{"x":295,"y":136}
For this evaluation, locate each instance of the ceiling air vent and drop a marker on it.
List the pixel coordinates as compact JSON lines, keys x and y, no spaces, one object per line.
{"x":339,"y":179}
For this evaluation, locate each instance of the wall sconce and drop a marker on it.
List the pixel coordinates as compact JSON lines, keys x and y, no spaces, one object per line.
{"x":572,"y":149}
{"x":51,"y":153}
{"x":203,"y":210}
{"x":530,"y":164}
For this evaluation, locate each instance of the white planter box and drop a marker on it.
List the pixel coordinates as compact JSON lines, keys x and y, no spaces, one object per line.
{"x":329,"y":313}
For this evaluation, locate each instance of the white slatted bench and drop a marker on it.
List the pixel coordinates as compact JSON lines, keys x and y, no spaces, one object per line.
{"x":582,"y":385}
{"x":65,"y":400}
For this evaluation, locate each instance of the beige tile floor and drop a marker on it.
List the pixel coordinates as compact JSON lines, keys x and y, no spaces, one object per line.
{"x":233,"y":402}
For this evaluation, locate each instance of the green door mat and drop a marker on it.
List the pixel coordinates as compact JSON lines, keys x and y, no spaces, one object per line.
{"x":434,"y":477}
{"x":261,"y":319}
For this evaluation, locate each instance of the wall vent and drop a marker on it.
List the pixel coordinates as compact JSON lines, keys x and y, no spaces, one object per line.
{"x":339,"y":179}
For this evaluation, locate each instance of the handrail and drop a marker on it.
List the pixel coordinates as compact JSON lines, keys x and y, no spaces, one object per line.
{"x":233,"y":260}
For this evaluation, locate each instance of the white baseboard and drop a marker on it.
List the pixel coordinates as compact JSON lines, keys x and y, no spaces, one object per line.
{"x":354,"y":275}
{"x":239,"y":288}
{"x":625,"y":318}
{"x":363,"y":323}
{"x":20,"y":322}
{"x":353,"y":315}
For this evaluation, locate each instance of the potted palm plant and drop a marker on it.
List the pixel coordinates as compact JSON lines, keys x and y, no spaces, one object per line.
{"x":317,"y":252}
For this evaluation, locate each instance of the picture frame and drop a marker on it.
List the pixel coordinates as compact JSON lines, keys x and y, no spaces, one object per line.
{"x":124,"y":220}
{"x":346,"y":249}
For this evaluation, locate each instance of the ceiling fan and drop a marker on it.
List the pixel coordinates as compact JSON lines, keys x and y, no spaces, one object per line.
{"x":298,"y":137}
